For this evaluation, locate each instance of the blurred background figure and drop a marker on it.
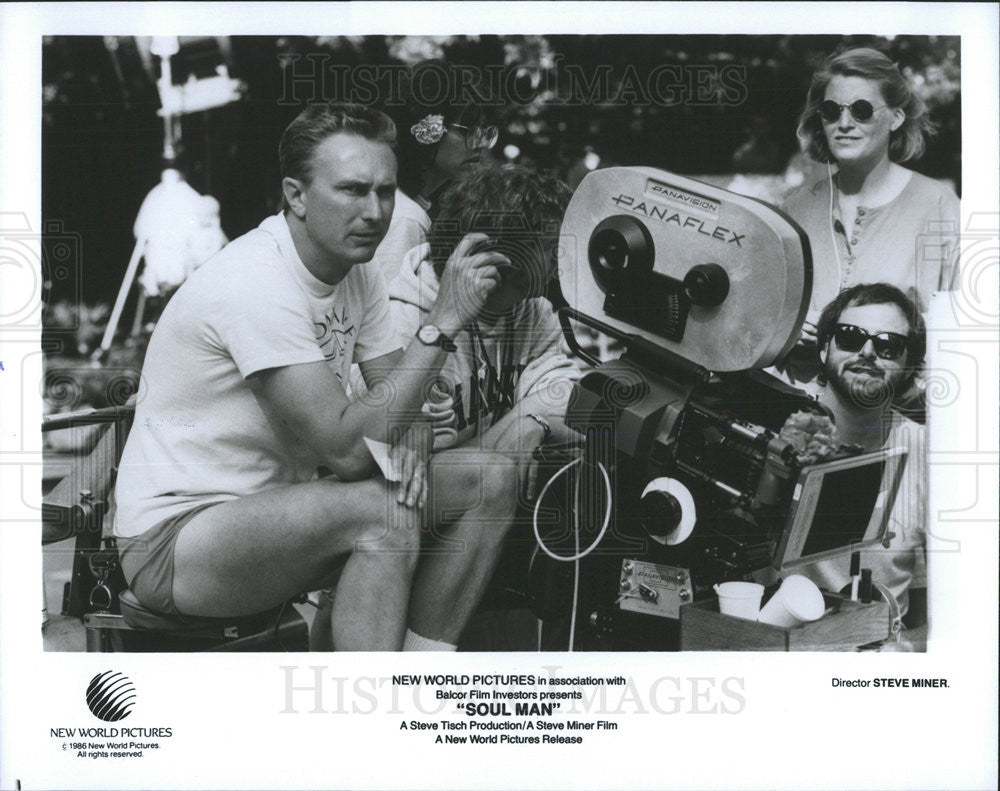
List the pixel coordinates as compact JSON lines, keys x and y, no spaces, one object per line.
{"x":182,"y":231}
{"x":439,"y":135}
{"x":176,"y":229}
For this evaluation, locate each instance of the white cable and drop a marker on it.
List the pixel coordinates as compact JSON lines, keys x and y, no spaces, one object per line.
{"x":833,"y":238}
{"x":576,"y":563}
{"x":604,"y":527}
{"x":575,"y":559}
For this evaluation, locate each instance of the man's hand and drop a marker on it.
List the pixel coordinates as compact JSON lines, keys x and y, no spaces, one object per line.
{"x":808,"y":334}
{"x":408,"y":459}
{"x":468,"y":279}
{"x":439,"y":411}
{"x":517,"y":438}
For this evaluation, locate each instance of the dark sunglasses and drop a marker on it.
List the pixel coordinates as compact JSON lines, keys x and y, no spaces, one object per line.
{"x":888,"y":345}
{"x":479,"y":137}
{"x":861,"y":110}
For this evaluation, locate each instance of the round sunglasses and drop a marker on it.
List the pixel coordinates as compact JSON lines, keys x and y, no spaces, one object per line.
{"x":861,"y":110}
{"x":479,"y":137}
{"x":887,"y":345}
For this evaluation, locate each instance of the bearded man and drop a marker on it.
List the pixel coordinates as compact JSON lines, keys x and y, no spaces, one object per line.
{"x":871,"y":341}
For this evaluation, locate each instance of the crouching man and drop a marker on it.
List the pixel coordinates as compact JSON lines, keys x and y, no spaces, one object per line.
{"x":220,"y":509}
{"x":872,"y":342}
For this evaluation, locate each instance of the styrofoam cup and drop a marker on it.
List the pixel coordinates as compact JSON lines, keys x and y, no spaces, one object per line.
{"x":798,"y":600}
{"x":740,"y":599}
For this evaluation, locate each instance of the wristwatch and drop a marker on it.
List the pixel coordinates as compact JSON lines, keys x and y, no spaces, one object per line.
{"x":430,"y":335}
{"x":545,"y":427}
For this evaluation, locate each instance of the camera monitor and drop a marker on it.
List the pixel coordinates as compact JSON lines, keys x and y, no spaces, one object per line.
{"x":840,"y":506}
{"x":721,"y":279}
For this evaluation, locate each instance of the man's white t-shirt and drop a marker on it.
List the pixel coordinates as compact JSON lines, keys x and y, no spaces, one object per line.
{"x":203,"y":433}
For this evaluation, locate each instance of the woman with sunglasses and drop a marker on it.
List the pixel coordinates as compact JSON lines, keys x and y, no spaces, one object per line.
{"x":869,"y":219}
{"x":439,"y":134}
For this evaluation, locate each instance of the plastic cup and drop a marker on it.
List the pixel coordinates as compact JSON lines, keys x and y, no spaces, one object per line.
{"x":740,"y":599}
{"x":798,"y":600}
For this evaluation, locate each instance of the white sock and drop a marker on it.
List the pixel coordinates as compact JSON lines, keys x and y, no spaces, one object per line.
{"x":414,"y":642}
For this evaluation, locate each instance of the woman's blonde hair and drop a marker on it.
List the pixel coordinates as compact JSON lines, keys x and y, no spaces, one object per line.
{"x":905,"y":143}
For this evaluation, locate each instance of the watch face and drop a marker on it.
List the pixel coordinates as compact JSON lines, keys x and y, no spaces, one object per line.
{"x":429,"y":333}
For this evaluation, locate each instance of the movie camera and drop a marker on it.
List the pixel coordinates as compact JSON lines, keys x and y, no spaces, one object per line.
{"x":685,"y":478}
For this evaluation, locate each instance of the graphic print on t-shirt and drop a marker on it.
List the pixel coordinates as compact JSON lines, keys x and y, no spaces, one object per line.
{"x":331,"y":334}
{"x":485,"y":395}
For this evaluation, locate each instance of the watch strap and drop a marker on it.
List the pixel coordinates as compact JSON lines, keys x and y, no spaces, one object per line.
{"x":442,"y":340}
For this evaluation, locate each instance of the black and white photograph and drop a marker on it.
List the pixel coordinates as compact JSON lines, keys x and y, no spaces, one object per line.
{"x":489,"y":388}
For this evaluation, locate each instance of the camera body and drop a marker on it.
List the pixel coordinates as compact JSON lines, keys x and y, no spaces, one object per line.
{"x":704,"y":289}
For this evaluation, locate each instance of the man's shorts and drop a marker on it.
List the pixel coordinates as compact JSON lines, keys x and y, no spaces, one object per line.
{"x":147,"y":561}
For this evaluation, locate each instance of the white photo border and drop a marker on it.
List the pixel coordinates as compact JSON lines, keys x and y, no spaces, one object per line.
{"x":787,"y":727}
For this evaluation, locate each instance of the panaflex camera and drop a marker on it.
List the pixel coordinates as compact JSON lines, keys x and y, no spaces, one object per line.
{"x":686,"y":481}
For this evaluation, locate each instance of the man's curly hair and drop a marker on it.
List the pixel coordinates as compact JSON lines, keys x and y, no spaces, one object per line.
{"x":512,"y":204}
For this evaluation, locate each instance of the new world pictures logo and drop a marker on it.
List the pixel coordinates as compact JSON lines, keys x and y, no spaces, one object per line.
{"x":110,"y":696}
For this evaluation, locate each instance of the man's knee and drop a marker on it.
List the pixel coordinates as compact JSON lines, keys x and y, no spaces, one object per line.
{"x":490,"y":481}
{"x":389,"y":527}
{"x":396,"y":531}
{"x":499,"y":485}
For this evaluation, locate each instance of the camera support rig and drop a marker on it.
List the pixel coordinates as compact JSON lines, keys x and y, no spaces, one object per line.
{"x":703,"y":288}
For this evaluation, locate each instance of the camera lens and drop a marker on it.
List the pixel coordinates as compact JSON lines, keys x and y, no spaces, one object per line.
{"x":660,"y":513}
